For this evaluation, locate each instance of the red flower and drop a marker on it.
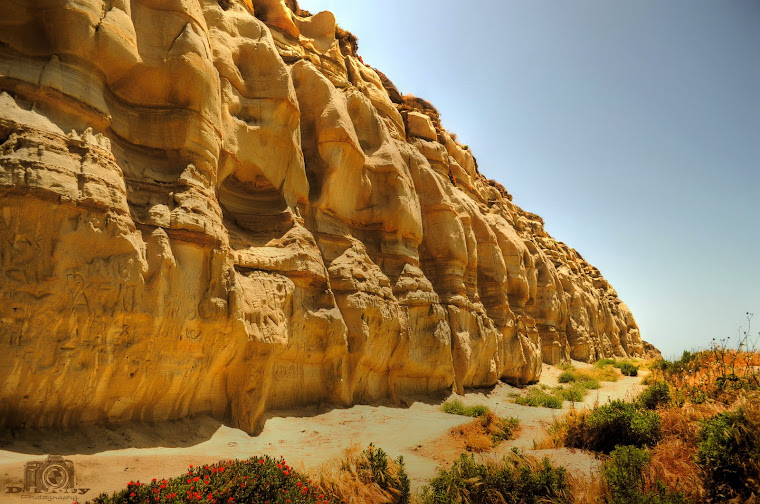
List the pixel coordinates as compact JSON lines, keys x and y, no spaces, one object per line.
{"x":132,"y":494}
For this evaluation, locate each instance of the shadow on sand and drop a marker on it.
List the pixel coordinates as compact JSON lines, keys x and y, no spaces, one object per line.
{"x":92,"y":439}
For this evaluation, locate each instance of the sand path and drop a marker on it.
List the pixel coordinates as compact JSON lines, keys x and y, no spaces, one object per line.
{"x":106,"y":458}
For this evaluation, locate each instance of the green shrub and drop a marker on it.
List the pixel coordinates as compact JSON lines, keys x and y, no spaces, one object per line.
{"x":604,"y":363}
{"x":688,"y":360}
{"x":623,"y":474}
{"x":373,"y":467}
{"x":567,"y":377}
{"x":537,"y":397}
{"x":629,"y":369}
{"x":655,"y":395}
{"x":729,"y":454}
{"x":615,"y":423}
{"x":259,"y":479}
{"x":516,"y":479}
{"x":575,"y":393}
{"x":456,"y":407}
{"x":626,"y":483}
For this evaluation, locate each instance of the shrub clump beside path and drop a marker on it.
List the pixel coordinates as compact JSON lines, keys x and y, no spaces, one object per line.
{"x":515,"y":479}
{"x":729,"y":454}
{"x":605,"y":427}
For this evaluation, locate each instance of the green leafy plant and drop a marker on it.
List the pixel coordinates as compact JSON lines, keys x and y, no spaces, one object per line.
{"x":575,"y":392}
{"x":629,"y":369}
{"x":655,"y":395}
{"x":623,"y":474}
{"x":515,"y":479}
{"x":627,"y":482}
{"x":609,"y":425}
{"x":729,"y":454}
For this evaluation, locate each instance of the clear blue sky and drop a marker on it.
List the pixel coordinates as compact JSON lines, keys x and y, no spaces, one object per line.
{"x":632,"y":128}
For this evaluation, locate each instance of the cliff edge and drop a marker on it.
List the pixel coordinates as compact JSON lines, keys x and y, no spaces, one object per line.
{"x":215,"y":207}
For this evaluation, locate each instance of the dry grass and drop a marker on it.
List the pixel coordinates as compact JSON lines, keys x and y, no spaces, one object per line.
{"x":606,"y":373}
{"x":347,"y":39}
{"x":485,"y":432}
{"x":673,"y":458}
{"x":348,"y":480}
{"x":720,"y":373}
{"x":558,"y":432}
{"x":588,"y":489}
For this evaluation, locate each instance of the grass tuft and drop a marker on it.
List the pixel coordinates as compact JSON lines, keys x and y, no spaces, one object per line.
{"x":457,"y":407}
{"x":515,"y":479}
{"x":538,"y":397}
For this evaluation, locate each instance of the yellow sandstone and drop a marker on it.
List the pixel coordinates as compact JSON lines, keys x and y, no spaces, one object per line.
{"x":217,"y":208}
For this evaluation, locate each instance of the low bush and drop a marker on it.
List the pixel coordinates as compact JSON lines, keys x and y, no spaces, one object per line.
{"x":623,"y":474}
{"x":655,"y":395}
{"x":615,"y":423}
{"x":567,"y":377}
{"x":604,"y":363}
{"x":629,"y":369}
{"x":515,"y":479}
{"x":539,"y":397}
{"x":456,"y":407}
{"x":729,"y":454}
{"x":258,"y":479}
{"x":575,"y":392}
{"x":627,"y":482}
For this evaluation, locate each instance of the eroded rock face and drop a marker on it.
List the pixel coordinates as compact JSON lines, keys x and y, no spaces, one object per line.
{"x":216,"y":207}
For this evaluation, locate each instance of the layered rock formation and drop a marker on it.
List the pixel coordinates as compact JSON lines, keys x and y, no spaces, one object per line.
{"x":217,"y":207}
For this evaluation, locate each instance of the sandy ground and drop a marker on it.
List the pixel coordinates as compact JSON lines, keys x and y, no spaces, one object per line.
{"x":106,"y":458}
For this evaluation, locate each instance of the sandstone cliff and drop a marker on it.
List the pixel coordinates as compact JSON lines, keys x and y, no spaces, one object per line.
{"x":217,"y":207}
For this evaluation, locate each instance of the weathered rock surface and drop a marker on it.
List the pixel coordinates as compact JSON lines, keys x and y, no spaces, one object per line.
{"x":217,"y":207}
